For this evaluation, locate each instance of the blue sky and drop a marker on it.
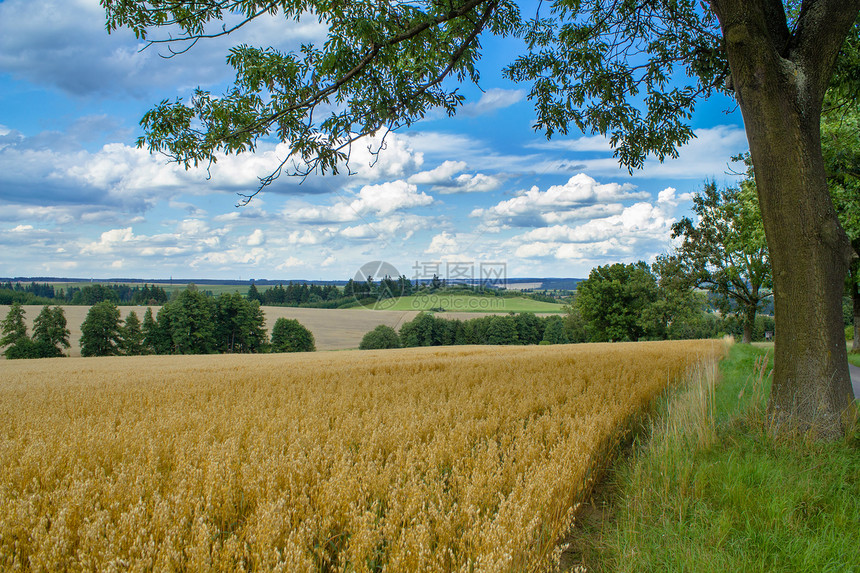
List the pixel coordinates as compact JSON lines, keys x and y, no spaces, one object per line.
{"x":78,"y":199}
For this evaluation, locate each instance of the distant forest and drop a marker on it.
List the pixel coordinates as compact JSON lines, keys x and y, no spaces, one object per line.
{"x":300,"y":294}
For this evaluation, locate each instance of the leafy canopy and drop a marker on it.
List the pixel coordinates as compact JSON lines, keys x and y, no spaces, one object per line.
{"x":632,"y":71}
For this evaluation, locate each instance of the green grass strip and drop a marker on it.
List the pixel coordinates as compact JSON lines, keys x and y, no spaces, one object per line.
{"x":711,"y":493}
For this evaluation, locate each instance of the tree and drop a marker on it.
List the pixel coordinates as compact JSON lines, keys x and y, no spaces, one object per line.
{"x":18,"y":344}
{"x":502,"y":330}
{"x":155,"y":339}
{"x":725,"y":251}
{"x":679,"y":310}
{"x":613,"y":300}
{"x":529,"y":328}
{"x":423,"y":330}
{"x":289,"y":335}
{"x":240,"y":324}
{"x":13,"y":327}
{"x":840,"y":142}
{"x":100,"y":331}
{"x":554,"y":332}
{"x":380,"y":337}
{"x":575,"y":326}
{"x":93,"y":294}
{"x":50,"y":333}
{"x":597,"y":65}
{"x":190,"y":321}
{"x":132,"y":337}
{"x":254,"y":294}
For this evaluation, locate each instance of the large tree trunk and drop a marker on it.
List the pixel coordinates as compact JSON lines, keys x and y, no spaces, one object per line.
{"x":780,"y":88}
{"x":749,"y":322}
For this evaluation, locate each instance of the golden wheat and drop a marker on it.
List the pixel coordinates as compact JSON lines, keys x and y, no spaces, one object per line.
{"x":431,"y":459}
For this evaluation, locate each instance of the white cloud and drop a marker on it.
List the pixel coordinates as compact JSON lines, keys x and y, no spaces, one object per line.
{"x":372,"y":200}
{"x":492,"y":100}
{"x":580,"y":198}
{"x":443,"y":244}
{"x":256,"y":238}
{"x":63,"y":43}
{"x":441,"y":174}
{"x":443,"y":179}
{"x":637,"y":231}
{"x":308,"y":237}
{"x":290,"y":262}
{"x":403,"y":227}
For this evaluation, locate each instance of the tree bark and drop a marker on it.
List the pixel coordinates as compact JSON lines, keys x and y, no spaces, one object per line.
{"x":780,"y":80}
{"x":749,"y":322}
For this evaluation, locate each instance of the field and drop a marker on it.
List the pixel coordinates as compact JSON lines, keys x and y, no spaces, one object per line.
{"x":431,"y":459}
{"x":332,"y":329}
{"x":468,"y":303}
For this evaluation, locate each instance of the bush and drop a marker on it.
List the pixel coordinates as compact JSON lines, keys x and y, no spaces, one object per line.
{"x":288,"y":335}
{"x":555,"y":333}
{"x":380,"y":337}
{"x":27,"y":348}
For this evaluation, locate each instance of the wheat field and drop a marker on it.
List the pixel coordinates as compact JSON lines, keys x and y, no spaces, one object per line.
{"x":428,"y":459}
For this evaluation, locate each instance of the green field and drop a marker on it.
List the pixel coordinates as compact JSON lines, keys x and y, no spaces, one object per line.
{"x":169,"y":288}
{"x":467,"y":303}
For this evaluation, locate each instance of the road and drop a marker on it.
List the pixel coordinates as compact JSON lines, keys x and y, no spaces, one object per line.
{"x":855,"y":380}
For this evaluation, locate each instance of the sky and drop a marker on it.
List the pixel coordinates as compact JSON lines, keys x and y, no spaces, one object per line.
{"x":480,"y":192}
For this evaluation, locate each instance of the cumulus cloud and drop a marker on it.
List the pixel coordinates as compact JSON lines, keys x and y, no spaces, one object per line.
{"x":441,"y":174}
{"x":63,"y":43}
{"x":403,"y":227}
{"x":445,"y":179}
{"x":582,"y":197}
{"x":309,"y":237}
{"x":256,"y":238}
{"x":637,"y":231}
{"x":67,"y":183}
{"x":443,"y":244}
{"x":372,"y":200}
{"x":492,"y":100}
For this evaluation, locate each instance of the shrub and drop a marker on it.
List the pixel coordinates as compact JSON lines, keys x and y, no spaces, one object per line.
{"x":288,"y":335}
{"x":380,"y":337}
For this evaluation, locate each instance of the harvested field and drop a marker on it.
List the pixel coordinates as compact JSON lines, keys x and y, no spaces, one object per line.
{"x":429,"y":459}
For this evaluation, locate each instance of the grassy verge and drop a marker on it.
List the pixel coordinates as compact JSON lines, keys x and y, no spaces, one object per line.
{"x":705,"y":491}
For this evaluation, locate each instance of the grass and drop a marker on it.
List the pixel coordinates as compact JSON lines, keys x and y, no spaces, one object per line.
{"x":469,"y":303}
{"x":708,"y":492}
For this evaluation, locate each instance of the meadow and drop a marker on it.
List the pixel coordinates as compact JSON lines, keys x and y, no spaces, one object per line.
{"x":462,"y":303}
{"x":428,"y":459}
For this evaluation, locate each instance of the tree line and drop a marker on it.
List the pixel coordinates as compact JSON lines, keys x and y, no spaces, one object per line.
{"x":44,"y":293}
{"x":191,"y":323}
